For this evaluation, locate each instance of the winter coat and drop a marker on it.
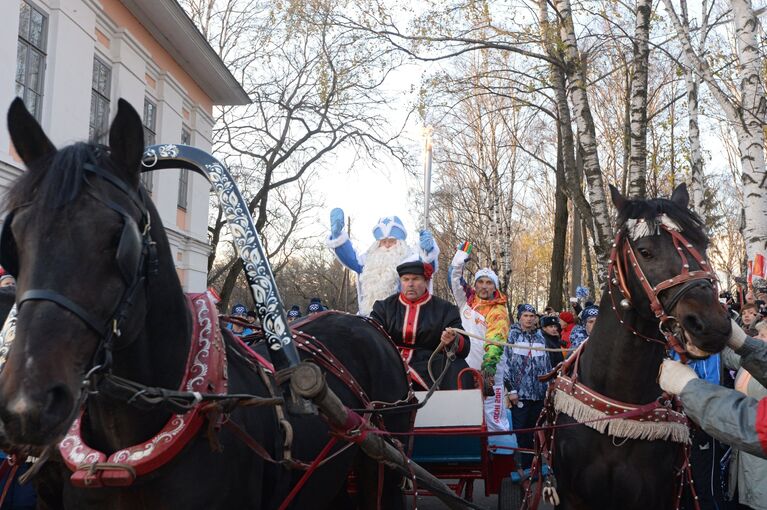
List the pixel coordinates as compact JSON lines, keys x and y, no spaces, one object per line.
{"x":578,"y":335}
{"x":554,"y":342}
{"x":566,"y":334}
{"x":730,"y":416}
{"x":748,"y":473}
{"x":523,"y":366}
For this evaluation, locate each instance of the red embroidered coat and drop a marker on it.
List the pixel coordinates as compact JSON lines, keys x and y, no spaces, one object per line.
{"x":416,"y":328}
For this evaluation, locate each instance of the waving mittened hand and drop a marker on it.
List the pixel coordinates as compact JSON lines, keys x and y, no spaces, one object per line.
{"x":336,"y":222}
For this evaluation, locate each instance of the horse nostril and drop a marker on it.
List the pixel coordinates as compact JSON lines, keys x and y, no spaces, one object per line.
{"x":58,"y":405}
{"x":693,"y":324}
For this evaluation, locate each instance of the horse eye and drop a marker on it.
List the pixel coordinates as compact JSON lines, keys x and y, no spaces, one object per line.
{"x":644,"y":253}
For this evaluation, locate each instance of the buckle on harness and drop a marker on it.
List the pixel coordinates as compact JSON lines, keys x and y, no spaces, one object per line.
{"x":103,"y":474}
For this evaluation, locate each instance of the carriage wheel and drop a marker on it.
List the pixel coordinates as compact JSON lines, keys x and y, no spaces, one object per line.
{"x":510,"y":495}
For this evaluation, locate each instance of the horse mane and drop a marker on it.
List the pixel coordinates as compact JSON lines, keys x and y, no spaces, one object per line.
{"x":61,"y":182}
{"x":649,"y":210}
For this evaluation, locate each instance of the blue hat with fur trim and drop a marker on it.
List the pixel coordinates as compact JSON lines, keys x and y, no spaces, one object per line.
{"x":525,"y":308}
{"x":589,"y":311}
{"x":390,"y":227}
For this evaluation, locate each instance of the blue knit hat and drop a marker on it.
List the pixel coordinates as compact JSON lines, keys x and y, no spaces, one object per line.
{"x":389,"y":226}
{"x":294,"y":312}
{"x":589,"y":311}
{"x":315,"y":305}
{"x":239,"y":309}
{"x":525,"y":308}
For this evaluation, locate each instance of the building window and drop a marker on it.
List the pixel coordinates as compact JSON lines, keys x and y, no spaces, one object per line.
{"x":30,"y":58}
{"x":183,"y":178}
{"x":150,"y":127}
{"x":99,"y":123}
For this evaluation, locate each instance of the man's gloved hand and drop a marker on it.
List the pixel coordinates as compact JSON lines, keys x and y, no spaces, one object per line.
{"x":737,"y":337}
{"x":426,"y":241}
{"x":336,"y":222}
{"x":674,"y":376}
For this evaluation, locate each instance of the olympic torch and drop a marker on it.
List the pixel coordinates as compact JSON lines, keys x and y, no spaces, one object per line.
{"x":427,"y":157}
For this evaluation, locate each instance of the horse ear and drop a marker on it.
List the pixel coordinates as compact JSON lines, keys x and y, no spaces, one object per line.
{"x":680,"y":196}
{"x":619,"y":201}
{"x":126,"y":140}
{"x":29,"y":139}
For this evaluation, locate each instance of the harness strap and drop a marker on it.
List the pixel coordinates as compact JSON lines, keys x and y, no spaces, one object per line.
{"x":314,"y":465}
{"x":8,"y":481}
{"x":97,"y":326}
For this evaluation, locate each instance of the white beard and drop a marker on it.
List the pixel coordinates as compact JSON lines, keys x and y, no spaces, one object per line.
{"x":379,"y":278}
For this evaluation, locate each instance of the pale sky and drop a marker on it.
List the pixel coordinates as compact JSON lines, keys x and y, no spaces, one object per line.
{"x":366,"y":193}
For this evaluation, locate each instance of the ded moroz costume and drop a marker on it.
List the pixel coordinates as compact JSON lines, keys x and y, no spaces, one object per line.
{"x":376,"y":268}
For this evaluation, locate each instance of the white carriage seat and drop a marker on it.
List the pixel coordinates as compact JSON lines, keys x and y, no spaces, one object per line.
{"x":451,"y":408}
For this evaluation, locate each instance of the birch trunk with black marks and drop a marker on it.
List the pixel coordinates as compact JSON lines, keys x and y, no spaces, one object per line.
{"x":637,"y":181}
{"x":576,"y":80}
{"x":752,"y":118}
{"x":746,"y":117}
{"x":692,"y":83}
{"x":572,"y":171}
{"x":693,"y":134}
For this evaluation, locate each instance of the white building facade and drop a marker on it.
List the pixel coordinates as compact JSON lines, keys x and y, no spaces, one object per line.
{"x":71,"y":60}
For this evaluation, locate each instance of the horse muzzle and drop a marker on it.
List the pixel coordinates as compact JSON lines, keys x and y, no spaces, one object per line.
{"x":38,"y":419}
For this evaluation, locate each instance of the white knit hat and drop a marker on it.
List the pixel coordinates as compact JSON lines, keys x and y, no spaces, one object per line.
{"x":486,"y":272}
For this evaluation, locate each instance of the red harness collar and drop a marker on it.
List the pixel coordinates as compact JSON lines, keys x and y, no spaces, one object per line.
{"x":205,"y":373}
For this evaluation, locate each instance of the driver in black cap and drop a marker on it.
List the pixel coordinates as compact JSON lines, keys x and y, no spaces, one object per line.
{"x":417,"y":322}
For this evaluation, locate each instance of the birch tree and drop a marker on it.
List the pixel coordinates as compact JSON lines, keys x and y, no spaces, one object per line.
{"x":637,"y":183}
{"x":692,"y":83}
{"x":745,"y":116}
{"x":581,"y":110}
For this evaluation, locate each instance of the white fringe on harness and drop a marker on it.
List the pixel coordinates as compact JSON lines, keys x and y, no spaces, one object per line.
{"x":619,"y":427}
{"x":639,"y":228}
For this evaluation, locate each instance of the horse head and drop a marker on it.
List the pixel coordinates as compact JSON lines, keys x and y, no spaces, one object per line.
{"x":76,"y":238}
{"x":659,"y":266}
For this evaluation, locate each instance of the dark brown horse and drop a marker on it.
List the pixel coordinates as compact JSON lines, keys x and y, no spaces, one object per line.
{"x":80,"y":243}
{"x":594,"y":470}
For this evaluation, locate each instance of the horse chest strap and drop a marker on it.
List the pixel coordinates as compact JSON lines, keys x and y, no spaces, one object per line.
{"x":205,"y":370}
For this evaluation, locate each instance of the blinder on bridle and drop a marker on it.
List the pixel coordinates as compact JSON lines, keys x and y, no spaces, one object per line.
{"x":623,"y":260}
{"x":136,"y":258}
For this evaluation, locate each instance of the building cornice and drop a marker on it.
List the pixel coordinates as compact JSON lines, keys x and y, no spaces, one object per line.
{"x":172,"y":28}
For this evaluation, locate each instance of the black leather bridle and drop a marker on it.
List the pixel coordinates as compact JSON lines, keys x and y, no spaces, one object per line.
{"x":136,"y":258}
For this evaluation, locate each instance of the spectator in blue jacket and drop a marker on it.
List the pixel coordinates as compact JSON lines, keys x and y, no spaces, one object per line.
{"x":523,"y":365}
